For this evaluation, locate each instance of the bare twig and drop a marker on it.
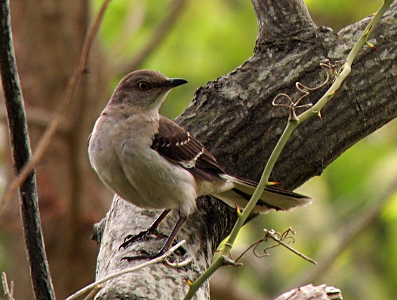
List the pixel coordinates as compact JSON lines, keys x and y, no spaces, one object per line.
{"x":21,"y":151}
{"x":36,"y":116}
{"x":159,"y":34}
{"x":162,"y":258}
{"x":280,"y":239}
{"x":274,"y":236}
{"x":268,"y":235}
{"x":293,"y":122}
{"x":305,"y":90}
{"x":59,"y":114}
{"x":8,"y":292}
{"x":94,"y":291}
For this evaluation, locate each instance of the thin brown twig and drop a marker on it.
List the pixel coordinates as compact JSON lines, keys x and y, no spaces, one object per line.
{"x":58,"y":117}
{"x":159,"y":34}
{"x":305,"y":90}
{"x":21,"y":153}
{"x":36,"y":116}
{"x":250,"y":247}
{"x":274,"y":236}
{"x":279,"y":238}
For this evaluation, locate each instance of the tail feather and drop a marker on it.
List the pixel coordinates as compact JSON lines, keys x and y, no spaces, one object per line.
{"x":271,"y":198}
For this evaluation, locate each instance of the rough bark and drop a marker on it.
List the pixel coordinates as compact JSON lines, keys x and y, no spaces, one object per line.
{"x":48,"y":37}
{"x":234,"y":118}
{"x":321,"y":292}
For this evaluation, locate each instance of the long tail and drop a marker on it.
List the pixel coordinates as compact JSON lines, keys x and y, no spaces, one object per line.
{"x":271,"y":198}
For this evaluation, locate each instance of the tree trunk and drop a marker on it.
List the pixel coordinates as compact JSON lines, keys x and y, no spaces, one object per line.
{"x":233,"y":116}
{"x":48,"y":37}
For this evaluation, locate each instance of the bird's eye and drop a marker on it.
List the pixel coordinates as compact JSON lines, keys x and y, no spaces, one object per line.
{"x":143,"y":86}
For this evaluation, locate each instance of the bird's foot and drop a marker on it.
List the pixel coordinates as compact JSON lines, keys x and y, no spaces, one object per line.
{"x":143,"y":235}
{"x":143,"y":254}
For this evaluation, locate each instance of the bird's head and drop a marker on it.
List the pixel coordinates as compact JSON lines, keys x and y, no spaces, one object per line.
{"x":144,"y":89}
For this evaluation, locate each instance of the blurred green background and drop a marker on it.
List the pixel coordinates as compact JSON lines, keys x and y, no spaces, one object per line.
{"x":211,"y":38}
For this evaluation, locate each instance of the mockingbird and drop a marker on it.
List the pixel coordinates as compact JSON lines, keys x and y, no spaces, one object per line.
{"x":152,"y":162}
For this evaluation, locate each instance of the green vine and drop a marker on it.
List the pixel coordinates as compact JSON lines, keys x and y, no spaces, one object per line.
{"x":293,"y":122}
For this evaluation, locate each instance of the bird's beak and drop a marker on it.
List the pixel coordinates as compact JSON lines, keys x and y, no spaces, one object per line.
{"x":173,"y":82}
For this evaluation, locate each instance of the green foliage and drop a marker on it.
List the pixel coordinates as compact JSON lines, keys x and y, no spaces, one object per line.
{"x":339,"y":13}
{"x":211,"y":38}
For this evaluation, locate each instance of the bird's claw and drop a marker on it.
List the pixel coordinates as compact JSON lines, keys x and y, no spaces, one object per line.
{"x":143,"y":255}
{"x":143,"y":235}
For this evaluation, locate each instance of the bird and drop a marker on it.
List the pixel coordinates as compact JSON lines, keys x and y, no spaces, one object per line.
{"x":153,"y":163}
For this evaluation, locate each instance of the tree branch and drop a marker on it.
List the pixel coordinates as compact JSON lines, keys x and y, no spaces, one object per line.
{"x":59,"y":115}
{"x":234,"y":117}
{"x":40,"y":273}
{"x":308,"y":292}
{"x":278,"y":20}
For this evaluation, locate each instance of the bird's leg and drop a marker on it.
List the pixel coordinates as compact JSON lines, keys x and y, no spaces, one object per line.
{"x":152,"y":230}
{"x":166,"y":246}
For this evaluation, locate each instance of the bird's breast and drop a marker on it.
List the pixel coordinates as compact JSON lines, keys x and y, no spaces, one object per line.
{"x":121,"y":155}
